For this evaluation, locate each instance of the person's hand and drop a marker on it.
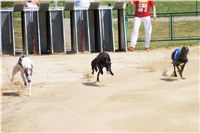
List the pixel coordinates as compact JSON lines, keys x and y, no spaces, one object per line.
{"x":130,"y":2}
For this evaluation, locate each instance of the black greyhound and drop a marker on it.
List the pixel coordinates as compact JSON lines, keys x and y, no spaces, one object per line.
{"x":102,"y":60}
{"x":179,"y":59}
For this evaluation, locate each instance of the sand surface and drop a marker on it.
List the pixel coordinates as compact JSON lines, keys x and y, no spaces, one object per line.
{"x":140,"y":97}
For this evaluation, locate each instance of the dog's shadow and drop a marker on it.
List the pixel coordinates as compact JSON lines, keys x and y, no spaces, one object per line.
{"x":92,"y":84}
{"x":10,"y":94}
{"x":168,"y":79}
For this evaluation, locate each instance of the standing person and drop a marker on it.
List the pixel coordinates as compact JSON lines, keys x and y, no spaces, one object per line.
{"x":33,"y":4}
{"x":82,"y":4}
{"x":142,"y":14}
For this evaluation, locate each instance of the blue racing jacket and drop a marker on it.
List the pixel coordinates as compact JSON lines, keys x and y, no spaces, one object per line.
{"x":176,"y":54}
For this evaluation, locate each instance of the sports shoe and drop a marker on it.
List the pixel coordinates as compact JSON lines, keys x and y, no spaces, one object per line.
{"x":146,"y":49}
{"x":131,"y":48}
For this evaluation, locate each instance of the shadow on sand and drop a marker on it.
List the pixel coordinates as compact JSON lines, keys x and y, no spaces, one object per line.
{"x":169,"y":79}
{"x":92,"y":84}
{"x":10,"y":94}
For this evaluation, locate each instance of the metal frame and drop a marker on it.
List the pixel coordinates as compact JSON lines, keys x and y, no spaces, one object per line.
{"x":56,"y":48}
{"x":94,"y":27}
{"x":171,"y":32}
{"x":78,"y":14}
{"x":75,"y":21}
{"x":102,"y":12}
{"x":122,"y":34}
{"x":100,"y":28}
{"x":11,"y":34}
{"x":26,"y":44}
{"x":44,"y":29}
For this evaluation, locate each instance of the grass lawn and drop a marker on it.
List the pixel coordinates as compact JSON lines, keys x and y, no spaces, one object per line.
{"x":18,"y":33}
{"x":182,"y":29}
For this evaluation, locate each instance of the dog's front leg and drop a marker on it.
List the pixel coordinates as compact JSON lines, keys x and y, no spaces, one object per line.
{"x":98,"y":76}
{"x":182,"y":68}
{"x":29,"y":89}
{"x":174,"y":70}
{"x":101,"y":70}
{"x":179,"y":70}
{"x":111,"y":72}
{"x":24,"y":80}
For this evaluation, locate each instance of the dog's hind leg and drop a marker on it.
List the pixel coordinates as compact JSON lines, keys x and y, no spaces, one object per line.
{"x":16,"y":69}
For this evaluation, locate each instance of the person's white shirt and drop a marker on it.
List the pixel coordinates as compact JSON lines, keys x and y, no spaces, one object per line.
{"x":83,"y":3}
{"x":31,"y":5}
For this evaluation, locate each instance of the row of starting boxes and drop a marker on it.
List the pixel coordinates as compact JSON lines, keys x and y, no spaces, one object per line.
{"x":45,"y":31}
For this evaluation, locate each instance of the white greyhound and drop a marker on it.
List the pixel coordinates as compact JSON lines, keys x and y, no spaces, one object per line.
{"x":25,"y":66}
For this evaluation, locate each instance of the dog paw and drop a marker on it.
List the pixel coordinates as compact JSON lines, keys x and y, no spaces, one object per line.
{"x":183,"y":78}
{"x":173,"y":75}
{"x":19,"y":93}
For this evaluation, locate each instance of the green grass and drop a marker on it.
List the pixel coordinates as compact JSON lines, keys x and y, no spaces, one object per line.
{"x":168,"y":44}
{"x":161,"y":30}
{"x":187,"y":29}
{"x":18,"y":33}
{"x":177,"y":6}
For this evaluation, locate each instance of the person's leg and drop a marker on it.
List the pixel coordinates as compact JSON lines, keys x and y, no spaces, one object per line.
{"x":134,"y":36}
{"x":148,"y":31}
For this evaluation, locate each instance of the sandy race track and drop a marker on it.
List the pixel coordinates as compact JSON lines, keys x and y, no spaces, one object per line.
{"x":138,"y":98}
